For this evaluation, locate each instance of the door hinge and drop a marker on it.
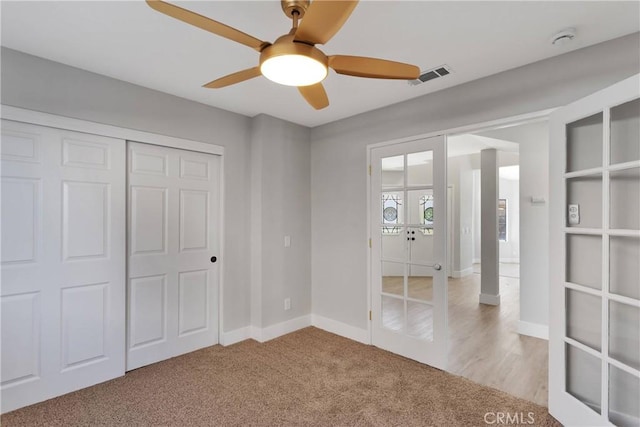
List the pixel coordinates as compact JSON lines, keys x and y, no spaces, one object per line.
{"x":370,"y":315}
{"x":369,"y":169}
{"x":370,"y":243}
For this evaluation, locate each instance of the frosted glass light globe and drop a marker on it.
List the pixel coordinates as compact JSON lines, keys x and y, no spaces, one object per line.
{"x":293,"y":70}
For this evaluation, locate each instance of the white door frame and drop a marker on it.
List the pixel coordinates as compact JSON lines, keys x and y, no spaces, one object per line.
{"x":476,"y":127}
{"x":61,"y":122}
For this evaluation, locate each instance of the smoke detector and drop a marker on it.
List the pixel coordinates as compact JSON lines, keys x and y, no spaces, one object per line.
{"x":563,"y":37}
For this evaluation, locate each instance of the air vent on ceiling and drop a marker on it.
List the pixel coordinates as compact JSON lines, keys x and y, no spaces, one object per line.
{"x":434,"y":73}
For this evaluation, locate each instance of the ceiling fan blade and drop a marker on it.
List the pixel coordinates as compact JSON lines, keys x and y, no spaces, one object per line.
{"x":234,"y":78}
{"x":207,"y":24}
{"x":315,"y":95}
{"x":374,"y":68}
{"x":323,"y":19}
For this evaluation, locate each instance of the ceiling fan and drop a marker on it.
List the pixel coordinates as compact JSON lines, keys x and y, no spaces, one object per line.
{"x":293,"y":59}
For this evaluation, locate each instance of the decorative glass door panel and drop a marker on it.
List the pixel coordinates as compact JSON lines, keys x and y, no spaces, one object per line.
{"x":594,"y":359}
{"x":408,"y":223}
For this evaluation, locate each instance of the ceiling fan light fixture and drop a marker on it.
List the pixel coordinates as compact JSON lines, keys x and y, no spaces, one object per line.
{"x":293,"y":64}
{"x":293,"y":70}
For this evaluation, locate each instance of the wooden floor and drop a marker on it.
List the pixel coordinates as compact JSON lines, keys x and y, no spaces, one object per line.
{"x":484,"y":345}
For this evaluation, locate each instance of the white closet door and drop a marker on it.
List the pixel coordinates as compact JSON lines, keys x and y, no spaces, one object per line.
{"x":174,"y":204}
{"x":63,"y":262}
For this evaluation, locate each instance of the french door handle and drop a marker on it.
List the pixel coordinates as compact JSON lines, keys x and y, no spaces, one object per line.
{"x":437,"y":267}
{"x":214,"y":259}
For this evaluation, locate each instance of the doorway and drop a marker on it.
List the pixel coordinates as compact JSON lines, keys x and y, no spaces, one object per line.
{"x":500,"y":344}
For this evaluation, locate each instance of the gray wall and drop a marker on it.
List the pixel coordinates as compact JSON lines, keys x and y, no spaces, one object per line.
{"x":280,"y":206}
{"x":460,"y":177}
{"x":42,"y":85}
{"x":338,"y":154}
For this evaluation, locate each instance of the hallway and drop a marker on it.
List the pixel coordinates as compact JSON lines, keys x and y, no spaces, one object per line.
{"x":485,"y":346}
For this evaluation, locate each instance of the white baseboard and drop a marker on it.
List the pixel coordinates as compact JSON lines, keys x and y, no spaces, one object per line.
{"x":339,"y":328}
{"x":462,"y":273}
{"x":490,"y":299}
{"x":235,"y":336}
{"x":510,"y":260}
{"x":533,"y":329}
{"x":279,"y":329}
{"x":476,"y":261}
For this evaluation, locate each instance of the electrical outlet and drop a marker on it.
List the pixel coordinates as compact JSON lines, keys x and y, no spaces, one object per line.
{"x":287,"y":303}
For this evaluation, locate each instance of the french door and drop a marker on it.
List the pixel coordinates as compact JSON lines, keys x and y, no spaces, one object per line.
{"x":594,"y":338}
{"x":174,"y":212}
{"x":408,"y":249}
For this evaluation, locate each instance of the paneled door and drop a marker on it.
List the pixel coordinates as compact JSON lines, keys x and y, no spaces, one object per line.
{"x":174,"y":204}
{"x":63,"y":262}
{"x":594,"y":338}
{"x":409,"y":249}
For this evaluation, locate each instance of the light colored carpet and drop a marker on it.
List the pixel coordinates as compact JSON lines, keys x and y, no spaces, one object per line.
{"x":309,"y":377}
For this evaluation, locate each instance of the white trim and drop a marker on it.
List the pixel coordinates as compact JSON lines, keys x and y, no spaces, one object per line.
{"x":368,"y":245}
{"x":279,"y":329}
{"x":8,"y":112}
{"x":235,"y":336}
{"x":342,"y":329}
{"x":477,"y":127}
{"x":509,"y":260}
{"x":533,"y":329}
{"x":221,"y":253}
{"x":23,"y":115}
{"x":462,"y":273}
{"x":489,"y":299}
{"x":475,"y":261}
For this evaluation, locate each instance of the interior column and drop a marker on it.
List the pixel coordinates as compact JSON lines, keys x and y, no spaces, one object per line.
{"x":489,"y":284}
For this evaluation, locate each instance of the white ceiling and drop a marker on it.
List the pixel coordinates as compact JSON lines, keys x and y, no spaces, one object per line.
{"x":130,"y":41}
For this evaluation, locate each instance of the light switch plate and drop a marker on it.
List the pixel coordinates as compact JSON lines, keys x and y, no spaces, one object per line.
{"x":287,"y":241}
{"x":574,"y":214}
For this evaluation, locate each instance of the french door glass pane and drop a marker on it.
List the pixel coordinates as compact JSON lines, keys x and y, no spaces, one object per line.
{"x":393,"y":243}
{"x":393,"y":278}
{"x":584,"y":260}
{"x":624,"y":268}
{"x":583,"y":377}
{"x":624,"y":333}
{"x":624,"y":398}
{"x":625,"y":132}
{"x":392,"y":209}
{"x":392,"y":172}
{"x":420,"y":206}
{"x":420,"y":168}
{"x":420,"y":245}
{"x":420,"y":320}
{"x":420,"y":283}
{"x":586,"y":192}
{"x":392,"y":313}
{"x":584,"y":318}
{"x":625,"y":199}
{"x":584,"y":143}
